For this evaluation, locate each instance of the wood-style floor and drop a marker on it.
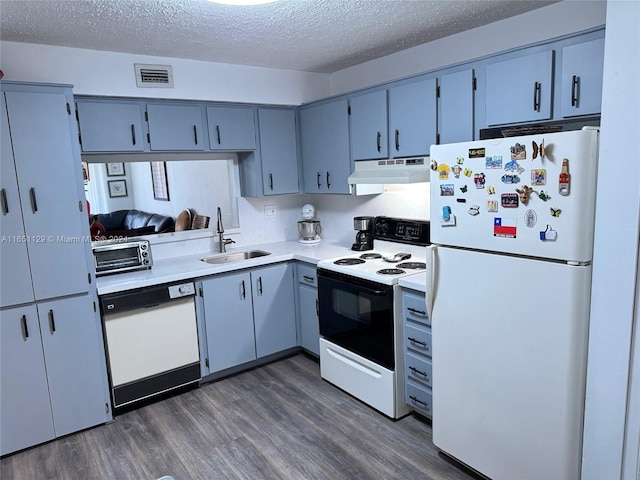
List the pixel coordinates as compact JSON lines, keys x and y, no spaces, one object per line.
{"x":279,"y":421}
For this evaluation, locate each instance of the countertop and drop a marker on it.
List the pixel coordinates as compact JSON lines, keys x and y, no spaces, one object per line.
{"x":191,"y":267}
{"x":415,"y":282}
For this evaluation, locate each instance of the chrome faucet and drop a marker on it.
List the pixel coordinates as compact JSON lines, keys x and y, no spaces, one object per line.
{"x":222,"y":242}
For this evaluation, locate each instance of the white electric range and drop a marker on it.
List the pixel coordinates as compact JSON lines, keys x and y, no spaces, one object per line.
{"x":359,"y":300}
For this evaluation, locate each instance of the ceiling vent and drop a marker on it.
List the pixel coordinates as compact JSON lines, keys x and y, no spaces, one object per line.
{"x":154,"y":75}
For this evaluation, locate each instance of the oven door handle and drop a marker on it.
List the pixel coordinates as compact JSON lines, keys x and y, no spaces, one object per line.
{"x":431,"y":273}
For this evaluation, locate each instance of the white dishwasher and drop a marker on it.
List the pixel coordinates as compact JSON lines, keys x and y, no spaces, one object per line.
{"x":151,"y":338}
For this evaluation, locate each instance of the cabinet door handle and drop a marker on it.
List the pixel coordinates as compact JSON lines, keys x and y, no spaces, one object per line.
{"x":416,"y":312}
{"x":271,"y":181}
{"x":218,"y":133}
{"x":413,"y":340}
{"x":415,"y":399}
{"x":133,"y":134}
{"x":195,"y":134}
{"x":3,"y":200}
{"x":34,"y":202}
{"x":25,"y":329}
{"x":328,"y":182}
{"x":244,"y":290}
{"x":575,"y":84}
{"x":317,"y":307}
{"x":397,"y":140}
{"x":318,"y":179}
{"x":378,"y":139}
{"x":419,"y":372}
{"x":260,"y":286}
{"x":308,"y":278}
{"x":536,"y":96}
{"x":52,"y":322}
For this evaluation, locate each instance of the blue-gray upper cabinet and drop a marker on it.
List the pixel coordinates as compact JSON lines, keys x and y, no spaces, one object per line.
{"x":110,"y":126}
{"x":47,"y":165}
{"x":582,"y":65}
{"x":175,"y":127}
{"x":231,"y":128}
{"x":412,"y":118}
{"x":456,"y":107}
{"x":15,"y":276}
{"x":324,"y":133}
{"x":278,"y":151}
{"x":274,"y":309}
{"x":368,"y":121}
{"x":228,"y":311}
{"x":520,"y":89}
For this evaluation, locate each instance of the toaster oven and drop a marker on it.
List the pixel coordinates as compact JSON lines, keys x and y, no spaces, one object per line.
{"x":116,"y":257}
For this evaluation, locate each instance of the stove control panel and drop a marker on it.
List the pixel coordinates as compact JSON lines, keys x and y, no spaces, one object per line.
{"x":415,"y":232}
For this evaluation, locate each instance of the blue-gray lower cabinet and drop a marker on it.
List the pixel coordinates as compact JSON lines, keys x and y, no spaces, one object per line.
{"x":416,"y":331}
{"x":308,"y":321}
{"x":53,"y":380}
{"x":248,"y":315}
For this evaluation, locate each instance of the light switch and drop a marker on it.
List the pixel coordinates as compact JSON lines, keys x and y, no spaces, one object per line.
{"x":269,"y":212}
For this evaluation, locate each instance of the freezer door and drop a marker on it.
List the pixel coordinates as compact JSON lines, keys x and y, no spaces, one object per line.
{"x":509,"y":360}
{"x":505,"y":195}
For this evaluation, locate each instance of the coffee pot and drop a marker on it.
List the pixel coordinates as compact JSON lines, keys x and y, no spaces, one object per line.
{"x":364,"y":239}
{"x":309,"y":227}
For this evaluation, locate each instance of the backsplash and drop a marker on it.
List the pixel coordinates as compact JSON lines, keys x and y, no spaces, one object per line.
{"x":335,"y":213}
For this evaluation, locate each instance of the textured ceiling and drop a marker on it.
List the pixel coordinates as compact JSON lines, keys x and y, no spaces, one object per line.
{"x":308,"y":35}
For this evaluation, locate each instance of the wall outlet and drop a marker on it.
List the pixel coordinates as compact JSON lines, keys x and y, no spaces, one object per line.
{"x":269,"y":212}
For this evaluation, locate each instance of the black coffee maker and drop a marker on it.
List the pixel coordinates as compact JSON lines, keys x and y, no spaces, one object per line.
{"x":364,"y":238}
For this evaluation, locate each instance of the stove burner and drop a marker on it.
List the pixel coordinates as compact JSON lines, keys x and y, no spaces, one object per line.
{"x":370,"y":256}
{"x":412,"y":265}
{"x":390,"y":271}
{"x":348,"y":261}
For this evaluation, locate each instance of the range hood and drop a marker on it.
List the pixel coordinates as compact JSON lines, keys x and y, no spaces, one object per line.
{"x":397,"y":170}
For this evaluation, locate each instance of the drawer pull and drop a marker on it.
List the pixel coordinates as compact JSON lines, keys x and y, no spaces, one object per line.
{"x":413,"y":340}
{"x":308,"y":278}
{"x":416,"y":312}
{"x":133,"y":134}
{"x":3,"y":200}
{"x":52,"y":322}
{"x":419,"y":372}
{"x":415,"y":399}
{"x":25,"y":329}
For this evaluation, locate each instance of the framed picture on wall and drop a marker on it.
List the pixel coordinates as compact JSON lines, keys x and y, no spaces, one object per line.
{"x":117,"y":188}
{"x":115,"y":169}
{"x":159,"y":180}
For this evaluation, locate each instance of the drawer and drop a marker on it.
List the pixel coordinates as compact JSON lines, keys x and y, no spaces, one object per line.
{"x":419,"y":398}
{"x":414,"y":308}
{"x":417,"y":339}
{"x":307,"y":275}
{"x":417,"y":368}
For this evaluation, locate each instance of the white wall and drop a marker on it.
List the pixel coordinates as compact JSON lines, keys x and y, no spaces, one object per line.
{"x":536,"y":26}
{"x":93,"y":72}
{"x":615,"y":251}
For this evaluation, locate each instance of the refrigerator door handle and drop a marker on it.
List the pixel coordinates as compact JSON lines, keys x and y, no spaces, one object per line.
{"x":431,"y":275}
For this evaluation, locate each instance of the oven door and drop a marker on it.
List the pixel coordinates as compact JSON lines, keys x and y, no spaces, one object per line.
{"x":357,"y":315}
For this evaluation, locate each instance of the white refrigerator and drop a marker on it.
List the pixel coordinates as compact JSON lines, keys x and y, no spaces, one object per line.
{"x":509,"y":282}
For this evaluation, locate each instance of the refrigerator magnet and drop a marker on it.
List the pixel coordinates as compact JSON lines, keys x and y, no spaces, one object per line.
{"x":493,"y":162}
{"x":474,"y":210}
{"x":544,"y":196}
{"x":510,"y":178}
{"x":476,"y":153}
{"x":492,"y":205}
{"x":518,"y":152}
{"x":538,"y":176}
{"x":524,"y":194}
{"x":555,"y":212}
{"x":537,"y":149}
{"x":456,"y":169}
{"x":443,"y":171}
{"x":491,"y":190}
{"x":446,"y":190}
{"x":467,"y":172}
{"x":459,"y":160}
{"x":513,"y":166}
{"x":463,"y":189}
{"x":549,"y":235}
{"x":509,"y":200}
{"x":530,"y":218}
{"x":504,"y":227}
{"x":478,"y":180}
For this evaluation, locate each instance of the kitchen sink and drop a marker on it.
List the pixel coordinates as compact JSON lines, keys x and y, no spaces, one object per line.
{"x":235,"y":257}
